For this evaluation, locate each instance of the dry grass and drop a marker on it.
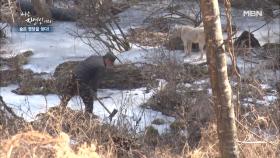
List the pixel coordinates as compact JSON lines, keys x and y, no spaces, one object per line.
{"x":70,"y":134}
{"x":36,"y":144}
{"x":250,"y":146}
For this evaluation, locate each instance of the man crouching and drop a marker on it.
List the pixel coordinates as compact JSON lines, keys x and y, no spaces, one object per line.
{"x":86,"y":77}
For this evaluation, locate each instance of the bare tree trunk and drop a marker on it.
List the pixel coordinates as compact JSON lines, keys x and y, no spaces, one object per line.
{"x":216,"y":58}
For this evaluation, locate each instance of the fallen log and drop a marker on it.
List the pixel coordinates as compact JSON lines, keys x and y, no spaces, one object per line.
{"x":118,"y":77}
{"x":121,"y":77}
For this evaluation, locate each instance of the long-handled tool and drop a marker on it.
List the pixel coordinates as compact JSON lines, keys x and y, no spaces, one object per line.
{"x":112,"y":114}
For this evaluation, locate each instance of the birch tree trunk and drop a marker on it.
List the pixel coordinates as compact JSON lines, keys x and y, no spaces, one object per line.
{"x":221,"y":90}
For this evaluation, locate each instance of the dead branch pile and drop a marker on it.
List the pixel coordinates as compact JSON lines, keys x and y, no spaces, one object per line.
{"x":127,"y":76}
{"x":159,"y":24}
{"x":182,"y":103}
{"x":177,"y":12}
{"x":145,"y":37}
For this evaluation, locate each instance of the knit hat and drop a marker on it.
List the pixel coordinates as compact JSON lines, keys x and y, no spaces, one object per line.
{"x":110,"y":56}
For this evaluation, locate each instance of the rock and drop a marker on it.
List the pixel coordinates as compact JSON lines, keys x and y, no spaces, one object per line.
{"x":178,"y":125}
{"x":245,"y":39}
{"x":151,"y":131}
{"x":158,"y":121}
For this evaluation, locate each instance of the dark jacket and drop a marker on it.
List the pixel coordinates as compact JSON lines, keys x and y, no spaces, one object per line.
{"x":90,"y":71}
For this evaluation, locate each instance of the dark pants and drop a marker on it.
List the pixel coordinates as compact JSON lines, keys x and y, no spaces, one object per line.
{"x":87,"y":95}
{"x":83,"y":89}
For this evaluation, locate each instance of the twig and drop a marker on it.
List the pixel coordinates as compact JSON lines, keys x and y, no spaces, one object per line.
{"x":3,"y":27}
{"x":250,"y":61}
{"x":264,"y":24}
{"x":8,"y":108}
{"x":255,"y":142}
{"x":259,"y":137}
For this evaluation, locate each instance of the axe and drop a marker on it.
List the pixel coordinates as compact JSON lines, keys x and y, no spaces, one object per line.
{"x":112,"y":114}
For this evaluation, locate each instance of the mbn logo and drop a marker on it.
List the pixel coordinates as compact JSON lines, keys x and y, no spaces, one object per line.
{"x":253,"y":13}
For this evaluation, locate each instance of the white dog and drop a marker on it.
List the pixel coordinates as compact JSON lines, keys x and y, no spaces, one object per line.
{"x":191,"y":35}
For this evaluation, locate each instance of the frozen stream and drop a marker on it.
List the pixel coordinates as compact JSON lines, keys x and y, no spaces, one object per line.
{"x":127,"y":102}
{"x":51,"y":49}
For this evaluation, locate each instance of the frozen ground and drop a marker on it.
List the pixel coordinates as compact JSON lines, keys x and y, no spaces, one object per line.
{"x":50,"y":49}
{"x":126,"y":102}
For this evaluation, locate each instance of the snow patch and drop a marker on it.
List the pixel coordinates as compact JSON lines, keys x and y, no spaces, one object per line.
{"x":126,"y":102}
